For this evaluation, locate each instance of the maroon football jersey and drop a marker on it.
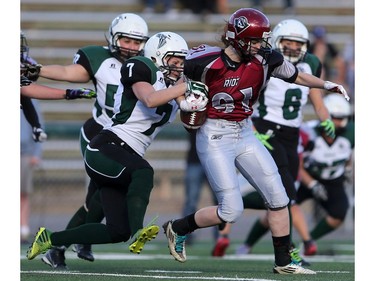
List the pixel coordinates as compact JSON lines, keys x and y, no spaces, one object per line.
{"x":233,"y":87}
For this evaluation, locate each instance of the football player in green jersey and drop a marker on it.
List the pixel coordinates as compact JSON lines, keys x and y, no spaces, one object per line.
{"x":126,"y":37}
{"x":324,"y":166}
{"x":148,"y":98}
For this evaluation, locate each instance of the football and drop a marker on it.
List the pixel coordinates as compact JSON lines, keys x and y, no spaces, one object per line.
{"x":193,"y":120}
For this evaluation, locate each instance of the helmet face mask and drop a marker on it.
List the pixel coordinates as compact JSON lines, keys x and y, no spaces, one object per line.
{"x":292,"y":54}
{"x":291,"y":30}
{"x":247,"y":27}
{"x":170,"y":68}
{"x":24,"y":47}
{"x":130,"y":26}
{"x":124,"y":52}
{"x":249,"y":46}
{"x":162,"y":48}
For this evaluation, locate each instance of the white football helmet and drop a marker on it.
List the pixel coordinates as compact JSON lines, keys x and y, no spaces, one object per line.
{"x":163,"y":45}
{"x":126,"y":25}
{"x":338,"y":107}
{"x":294,"y":30}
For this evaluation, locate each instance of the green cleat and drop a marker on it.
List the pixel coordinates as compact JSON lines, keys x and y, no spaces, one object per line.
{"x":42,"y":243}
{"x":145,"y":234}
{"x":296,"y":258}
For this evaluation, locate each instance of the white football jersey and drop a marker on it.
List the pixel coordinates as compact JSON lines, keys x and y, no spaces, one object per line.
{"x":104,"y":70}
{"x":282,"y":102}
{"x":108,"y":78}
{"x":133,"y":122}
{"x":327,"y":161}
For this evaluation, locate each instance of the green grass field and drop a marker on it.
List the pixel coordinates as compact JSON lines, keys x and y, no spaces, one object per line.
{"x":335,"y":262}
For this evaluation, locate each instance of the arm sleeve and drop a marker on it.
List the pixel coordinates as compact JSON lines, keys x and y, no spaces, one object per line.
{"x":286,"y":71}
{"x":30,"y":112}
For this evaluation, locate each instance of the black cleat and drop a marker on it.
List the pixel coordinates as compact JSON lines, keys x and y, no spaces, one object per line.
{"x":83,"y":251}
{"x":55,"y":258}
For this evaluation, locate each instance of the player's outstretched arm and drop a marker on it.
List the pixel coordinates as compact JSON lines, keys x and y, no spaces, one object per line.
{"x":43,"y":92}
{"x":312,"y":81}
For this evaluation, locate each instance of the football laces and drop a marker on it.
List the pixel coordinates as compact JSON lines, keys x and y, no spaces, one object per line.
{"x":192,"y":118}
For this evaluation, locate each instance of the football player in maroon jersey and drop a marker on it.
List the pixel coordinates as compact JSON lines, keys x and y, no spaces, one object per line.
{"x":235,"y":76}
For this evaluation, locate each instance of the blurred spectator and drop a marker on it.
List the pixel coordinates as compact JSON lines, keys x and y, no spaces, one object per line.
{"x":31,"y":152}
{"x":222,"y":6}
{"x":257,"y":4}
{"x":333,"y":62}
{"x":203,"y":7}
{"x":288,"y":6}
{"x":167,"y":6}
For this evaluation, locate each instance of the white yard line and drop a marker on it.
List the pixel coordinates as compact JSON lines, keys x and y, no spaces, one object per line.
{"x":253,"y":257}
{"x":164,"y":277}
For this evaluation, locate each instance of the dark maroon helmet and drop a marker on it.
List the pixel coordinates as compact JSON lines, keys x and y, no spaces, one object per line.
{"x":245,"y":25}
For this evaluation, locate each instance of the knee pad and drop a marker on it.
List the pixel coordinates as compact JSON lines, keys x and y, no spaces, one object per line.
{"x":229,"y":214}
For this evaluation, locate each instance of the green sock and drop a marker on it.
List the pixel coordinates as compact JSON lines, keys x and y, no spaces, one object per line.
{"x":321,"y":229}
{"x":91,"y":233}
{"x":138,"y":197}
{"x":78,"y":218}
{"x":256,"y":232}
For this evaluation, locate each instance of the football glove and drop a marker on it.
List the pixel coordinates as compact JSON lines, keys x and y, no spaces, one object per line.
{"x":329,"y":128}
{"x":39,"y":135}
{"x":196,"y":96}
{"x":264,"y":139}
{"x":196,"y":88}
{"x":336,"y":88}
{"x":81,"y":93}
{"x":31,"y":71}
{"x":192,"y":105}
{"x":318,"y":190}
{"x":25,"y":81}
